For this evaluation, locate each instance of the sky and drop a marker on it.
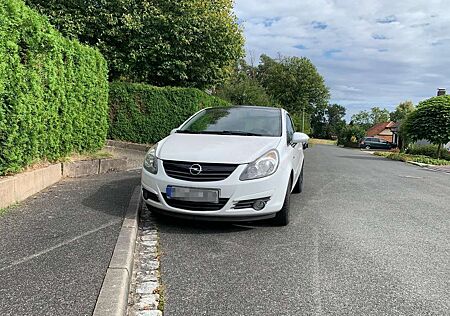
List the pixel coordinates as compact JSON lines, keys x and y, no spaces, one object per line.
{"x":371,"y":53}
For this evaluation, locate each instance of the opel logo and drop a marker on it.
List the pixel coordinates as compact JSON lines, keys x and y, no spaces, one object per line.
{"x":195,"y":169}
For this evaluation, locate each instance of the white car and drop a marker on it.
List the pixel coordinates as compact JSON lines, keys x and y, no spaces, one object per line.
{"x":233,"y":164}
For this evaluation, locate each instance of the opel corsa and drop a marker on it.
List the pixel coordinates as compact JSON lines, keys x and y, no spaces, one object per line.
{"x":233,"y":164}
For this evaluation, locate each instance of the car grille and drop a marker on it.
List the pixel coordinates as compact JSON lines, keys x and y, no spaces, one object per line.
{"x":210,"y":171}
{"x":195,"y":206}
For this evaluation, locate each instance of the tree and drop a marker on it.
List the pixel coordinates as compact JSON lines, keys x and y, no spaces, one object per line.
{"x":401,"y":111}
{"x":336,"y":122}
{"x":431,"y":121}
{"x":328,"y":122}
{"x":242,"y":88}
{"x":178,"y":43}
{"x":295,"y":83}
{"x":367,"y":119}
{"x":363,"y":119}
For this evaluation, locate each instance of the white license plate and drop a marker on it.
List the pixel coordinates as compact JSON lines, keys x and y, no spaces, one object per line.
{"x":192,"y":194}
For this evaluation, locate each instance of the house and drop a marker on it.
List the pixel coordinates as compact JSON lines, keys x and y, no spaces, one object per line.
{"x":386,"y":130}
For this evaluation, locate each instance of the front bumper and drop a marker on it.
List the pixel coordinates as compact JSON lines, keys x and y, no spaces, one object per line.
{"x":231,"y":189}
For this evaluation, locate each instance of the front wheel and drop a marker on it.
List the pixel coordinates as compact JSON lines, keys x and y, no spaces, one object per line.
{"x":282,"y":217}
{"x":367,"y":147}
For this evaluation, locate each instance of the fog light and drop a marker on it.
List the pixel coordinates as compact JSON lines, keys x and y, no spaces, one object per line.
{"x":259,"y":205}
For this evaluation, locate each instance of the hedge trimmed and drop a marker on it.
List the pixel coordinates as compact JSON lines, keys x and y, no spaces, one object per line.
{"x":427,"y":150}
{"x":141,"y":113}
{"x":53,"y":91}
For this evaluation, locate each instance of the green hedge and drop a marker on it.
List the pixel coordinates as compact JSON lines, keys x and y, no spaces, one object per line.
{"x":145,"y":114}
{"x":427,"y":150}
{"x":53,"y":91}
{"x":415,"y":158}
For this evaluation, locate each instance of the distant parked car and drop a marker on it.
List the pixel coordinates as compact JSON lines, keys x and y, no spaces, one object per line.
{"x":375,"y":143}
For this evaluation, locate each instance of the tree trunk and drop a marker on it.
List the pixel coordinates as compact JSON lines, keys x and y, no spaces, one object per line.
{"x":438,"y":154}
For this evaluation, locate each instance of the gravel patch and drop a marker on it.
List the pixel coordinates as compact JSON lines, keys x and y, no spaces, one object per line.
{"x":144,"y":298}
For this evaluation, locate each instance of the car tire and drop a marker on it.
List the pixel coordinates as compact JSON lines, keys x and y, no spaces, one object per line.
{"x":298,"y":187}
{"x":367,"y":147}
{"x":282,"y":216}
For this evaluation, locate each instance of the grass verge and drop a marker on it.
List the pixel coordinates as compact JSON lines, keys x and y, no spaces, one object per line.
{"x":317,"y":141}
{"x":415,"y":158}
{"x":5,"y":210}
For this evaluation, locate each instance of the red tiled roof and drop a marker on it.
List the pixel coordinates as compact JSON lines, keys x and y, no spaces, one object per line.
{"x":377,"y":128}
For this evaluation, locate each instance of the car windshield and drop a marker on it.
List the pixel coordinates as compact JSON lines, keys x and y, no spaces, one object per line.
{"x":245,"y":121}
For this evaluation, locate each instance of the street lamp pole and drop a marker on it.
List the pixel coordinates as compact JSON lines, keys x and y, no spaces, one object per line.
{"x":303,"y":119}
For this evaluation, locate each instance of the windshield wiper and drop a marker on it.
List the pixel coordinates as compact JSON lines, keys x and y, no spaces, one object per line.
{"x":187,"y":132}
{"x":219,"y":133}
{"x":238,"y":133}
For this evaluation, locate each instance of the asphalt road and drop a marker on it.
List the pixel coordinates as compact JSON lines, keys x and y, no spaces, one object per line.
{"x":55,"y":247}
{"x":368,"y":236}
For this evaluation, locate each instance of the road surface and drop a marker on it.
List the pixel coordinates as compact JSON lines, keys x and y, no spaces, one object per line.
{"x":368,"y":236}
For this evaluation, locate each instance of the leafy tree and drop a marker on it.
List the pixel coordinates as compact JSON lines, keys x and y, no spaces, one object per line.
{"x":328,"y":122}
{"x":378,"y":115}
{"x":431,"y":121}
{"x":243,"y":88}
{"x":178,"y":43}
{"x":367,"y":119}
{"x":295,"y":83}
{"x":401,"y":111}
{"x":336,"y":121}
{"x":362,"y":119}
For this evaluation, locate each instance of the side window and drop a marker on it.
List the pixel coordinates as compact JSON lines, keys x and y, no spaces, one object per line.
{"x":289,"y":129}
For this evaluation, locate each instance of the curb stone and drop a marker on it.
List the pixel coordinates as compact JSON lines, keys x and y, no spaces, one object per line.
{"x":113,"y":296}
{"x":17,"y":188}
{"x":420,"y":164}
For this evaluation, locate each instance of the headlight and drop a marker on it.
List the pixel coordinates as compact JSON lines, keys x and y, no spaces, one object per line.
{"x":150,"y":161}
{"x":262,"y":167}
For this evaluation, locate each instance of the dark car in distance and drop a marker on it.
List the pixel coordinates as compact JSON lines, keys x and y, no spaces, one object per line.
{"x":375,"y":143}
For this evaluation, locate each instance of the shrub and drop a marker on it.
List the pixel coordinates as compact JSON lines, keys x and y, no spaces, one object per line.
{"x":350,"y":135}
{"x":431,"y":121}
{"x":145,"y":114}
{"x":427,"y":150}
{"x":415,"y":158}
{"x":53,"y":91}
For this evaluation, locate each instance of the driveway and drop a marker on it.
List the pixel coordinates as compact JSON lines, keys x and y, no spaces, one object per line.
{"x":55,"y":247}
{"x":368,"y":236}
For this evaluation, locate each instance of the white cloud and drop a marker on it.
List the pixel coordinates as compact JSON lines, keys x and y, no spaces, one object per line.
{"x":371,"y":53}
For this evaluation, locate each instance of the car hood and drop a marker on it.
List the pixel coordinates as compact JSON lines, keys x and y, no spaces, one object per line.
{"x":215,"y":148}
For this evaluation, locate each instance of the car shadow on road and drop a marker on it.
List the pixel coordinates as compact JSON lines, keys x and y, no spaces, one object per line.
{"x":173,"y":225}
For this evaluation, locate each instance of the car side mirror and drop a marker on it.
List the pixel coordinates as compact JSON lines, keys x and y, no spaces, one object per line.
{"x":298,"y":138}
{"x":173,"y":131}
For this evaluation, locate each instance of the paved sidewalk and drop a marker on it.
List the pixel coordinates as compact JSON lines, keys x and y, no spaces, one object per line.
{"x":445,"y":169}
{"x":55,"y":247}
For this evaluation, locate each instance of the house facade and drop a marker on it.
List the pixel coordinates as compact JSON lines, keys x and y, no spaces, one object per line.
{"x":385,"y":130}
